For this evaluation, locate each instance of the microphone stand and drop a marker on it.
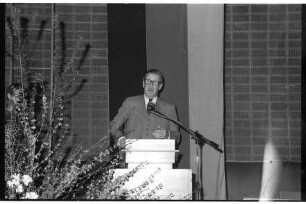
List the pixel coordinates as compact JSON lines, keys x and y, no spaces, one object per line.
{"x":199,"y":139}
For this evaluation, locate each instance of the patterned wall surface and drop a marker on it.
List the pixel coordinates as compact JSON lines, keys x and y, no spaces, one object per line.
{"x":262,"y":80}
{"x":37,"y":51}
{"x":89,"y":107}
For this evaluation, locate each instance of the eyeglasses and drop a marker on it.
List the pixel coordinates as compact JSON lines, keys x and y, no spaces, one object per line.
{"x":149,"y":82}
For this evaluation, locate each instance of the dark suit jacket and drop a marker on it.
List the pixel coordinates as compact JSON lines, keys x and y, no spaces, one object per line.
{"x":134,"y":122}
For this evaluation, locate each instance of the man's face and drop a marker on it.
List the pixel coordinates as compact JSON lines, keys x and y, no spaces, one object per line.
{"x":151,"y":90}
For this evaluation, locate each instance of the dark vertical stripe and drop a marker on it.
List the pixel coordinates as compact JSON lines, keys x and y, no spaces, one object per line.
{"x":127,"y":52}
{"x":303,"y":136}
{"x":2,"y":91}
{"x":224,"y":94}
{"x":167,"y":51}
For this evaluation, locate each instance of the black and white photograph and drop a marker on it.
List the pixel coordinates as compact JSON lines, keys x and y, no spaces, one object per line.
{"x":153,"y":101}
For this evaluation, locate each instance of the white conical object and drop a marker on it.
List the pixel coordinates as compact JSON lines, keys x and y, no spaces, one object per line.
{"x":271,"y":171}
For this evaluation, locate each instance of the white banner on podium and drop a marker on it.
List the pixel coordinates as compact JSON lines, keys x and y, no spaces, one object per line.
{"x":157,"y":180}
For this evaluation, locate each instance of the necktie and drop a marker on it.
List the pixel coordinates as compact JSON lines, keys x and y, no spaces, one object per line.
{"x":150,"y":104}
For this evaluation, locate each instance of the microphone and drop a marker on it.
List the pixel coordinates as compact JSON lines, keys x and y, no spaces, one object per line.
{"x":151,"y":107}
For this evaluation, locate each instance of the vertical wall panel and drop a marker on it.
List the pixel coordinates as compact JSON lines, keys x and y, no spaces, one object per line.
{"x":303,"y":98}
{"x":3,"y":94}
{"x":205,"y":81}
{"x":263,"y":80}
{"x":86,"y":25}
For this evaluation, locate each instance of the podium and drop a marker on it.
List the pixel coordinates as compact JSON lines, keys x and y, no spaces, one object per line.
{"x":155,"y":179}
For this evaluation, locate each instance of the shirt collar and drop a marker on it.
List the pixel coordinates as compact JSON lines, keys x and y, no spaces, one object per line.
{"x":147,"y":100}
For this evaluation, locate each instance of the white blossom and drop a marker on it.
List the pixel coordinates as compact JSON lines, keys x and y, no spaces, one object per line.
{"x":10,"y":184}
{"x":31,"y":195}
{"x":16,"y":179}
{"x":26,"y":179}
{"x":19,"y":189}
{"x":16,"y":176}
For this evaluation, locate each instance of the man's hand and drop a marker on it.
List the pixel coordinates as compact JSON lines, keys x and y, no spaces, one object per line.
{"x":121,"y":142}
{"x":160,"y":133}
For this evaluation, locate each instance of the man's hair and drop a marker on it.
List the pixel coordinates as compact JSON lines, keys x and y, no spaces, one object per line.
{"x":157,"y":72}
{"x":12,"y":88}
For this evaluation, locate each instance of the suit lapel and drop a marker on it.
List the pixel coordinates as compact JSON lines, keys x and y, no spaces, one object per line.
{"x":159,"y":106}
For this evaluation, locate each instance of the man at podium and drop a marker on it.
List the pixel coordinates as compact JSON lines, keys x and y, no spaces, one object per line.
{"x":134,"y":119}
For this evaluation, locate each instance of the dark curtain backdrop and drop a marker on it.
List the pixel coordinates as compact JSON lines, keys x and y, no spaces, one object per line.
{"x":127,"y":52}
{"x":167,"y":51}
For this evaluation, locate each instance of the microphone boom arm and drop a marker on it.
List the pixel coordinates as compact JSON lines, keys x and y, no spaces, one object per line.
{"x":199,"y":138}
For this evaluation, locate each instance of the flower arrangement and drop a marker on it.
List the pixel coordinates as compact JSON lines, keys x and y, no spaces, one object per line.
{"x":39,"y":163}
